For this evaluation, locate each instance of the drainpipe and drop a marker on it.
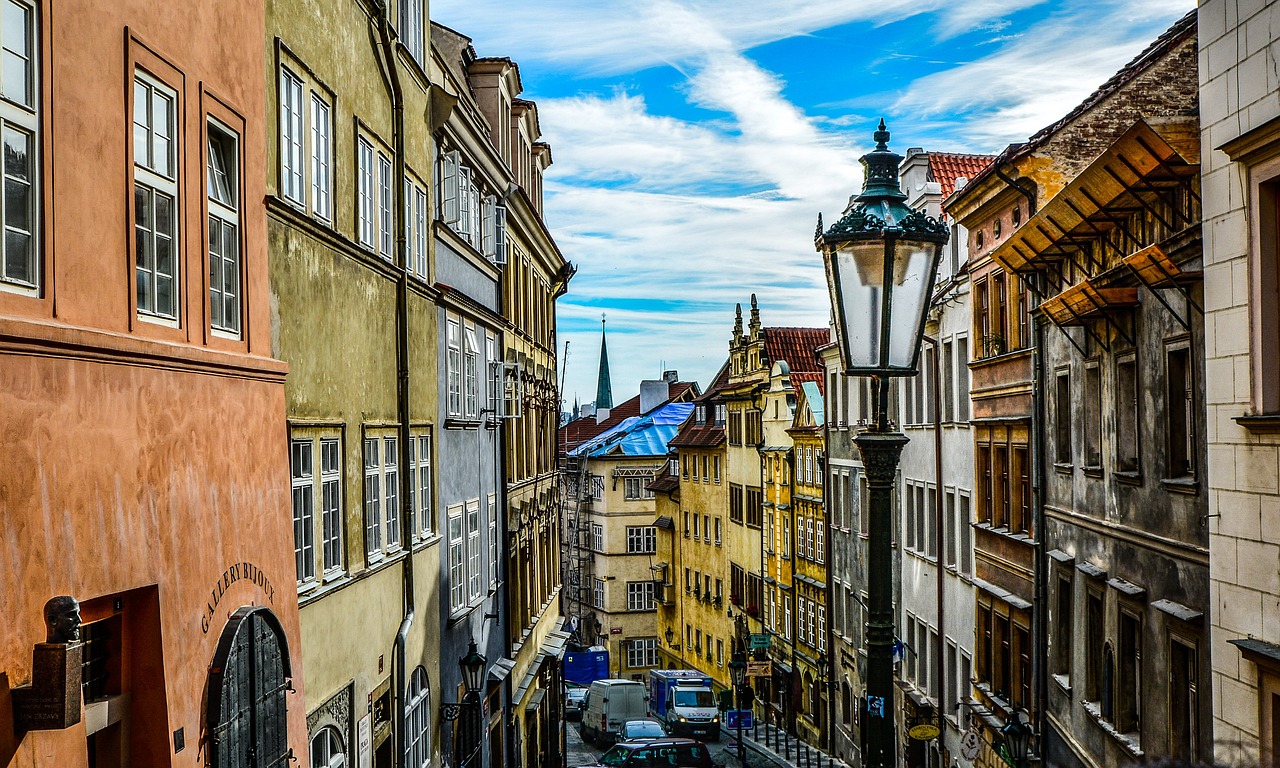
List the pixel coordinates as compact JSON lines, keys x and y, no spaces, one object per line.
{"x":829,"y":739}
{"x":392,"y":81}
{"x":935,"y":383}
{"x":1041,"y":566}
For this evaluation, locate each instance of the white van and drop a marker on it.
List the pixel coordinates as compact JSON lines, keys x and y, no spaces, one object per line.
{"x":609,"y":704}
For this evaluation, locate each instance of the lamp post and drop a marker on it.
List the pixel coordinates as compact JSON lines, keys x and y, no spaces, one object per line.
{"x":738,"y":669}
{"x":1017,"y":739}
{"x":472,"y":666}
{"x":880,"y":259}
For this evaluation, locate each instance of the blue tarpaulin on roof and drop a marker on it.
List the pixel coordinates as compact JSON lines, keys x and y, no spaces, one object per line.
{"x":646,"y":435}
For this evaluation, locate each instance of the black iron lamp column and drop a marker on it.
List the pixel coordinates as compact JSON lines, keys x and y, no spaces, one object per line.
{"x":881,"y":258}
{"x":472,"y":665}
{"x":738,"y":669}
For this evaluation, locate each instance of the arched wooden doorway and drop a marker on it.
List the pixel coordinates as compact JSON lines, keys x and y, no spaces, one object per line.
{"x":246,"y":725}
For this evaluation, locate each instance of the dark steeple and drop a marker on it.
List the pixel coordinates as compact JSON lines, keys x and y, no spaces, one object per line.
{"x":604,"y":387}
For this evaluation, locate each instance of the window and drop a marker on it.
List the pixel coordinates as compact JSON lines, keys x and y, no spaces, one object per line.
{"x":598,"y":594}
{"x":415,"y":227}
{"x":719,"y":538}
{"x":366,"y":192}
{"x":735,"y":503}
{"x":636,"y":488}
{"x":411,"y":26}
{"x":1129,"y":684}
{"x":962,"y":379}
{"x":715,"y":471}
{"x":291,"y":136}
{"x":326,"y":749}
{"x":470,"y":381}
{"x":1094,"y":639}
{"x":719,"y":652}
{"x":1184,"y":712}
{"x":966,"y":531}
{"x":597,"y":537}
{"x":1127,"y":416}
{"x":381,"y":503}
{"x":155,"y":190}
{"x":753,"y":500}
{"x":19,"y":126}
{"x":321,"y":157}
{"x":475,"y":570}
{"x":949,"y":539}
{"x":1021,"y":491}
{"x":385,"y":202}
{"x":420,"y":461}
{"x":479,"y":220}
{"x":306,"y":143}
{"x":457,"y":563}
{"x":1180,"y":414}
{"x":640,"y":596}
{"x":223,"y":187}
{"x":303,"y":475}
{"x":418,"y":727}
{"x":641,"y":539}
{"x":454,"y":367}
{"x":1062,"y":627}
{"x":642,"y":652}
{"x":492,"y":509}
{"x":1092,"y":414}
{"x":1062,"y":417}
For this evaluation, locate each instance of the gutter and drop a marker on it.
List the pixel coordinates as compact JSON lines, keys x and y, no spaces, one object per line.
{"x":392,"y":81}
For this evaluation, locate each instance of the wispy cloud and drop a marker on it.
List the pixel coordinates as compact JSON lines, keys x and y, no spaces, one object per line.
{"x":673,"y":213}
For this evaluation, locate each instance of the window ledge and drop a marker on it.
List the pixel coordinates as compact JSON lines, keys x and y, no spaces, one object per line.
{"x":1063,"y":682}
{"x":1065,"y":469}
{"x":1130,"y":742}
{"x":458,"y":422}
{"x":1128,"y":478}
{"x":1092,"y":470}
{"x":1267,"y":423}
{"x":1181,"y":484}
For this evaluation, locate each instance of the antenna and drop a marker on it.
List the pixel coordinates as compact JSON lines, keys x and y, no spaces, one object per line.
{"x":564,"y":364}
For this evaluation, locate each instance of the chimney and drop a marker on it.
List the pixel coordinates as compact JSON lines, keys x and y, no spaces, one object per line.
{"x":602,"y":414}
{"x":671,"y":377}
{"x":654,"y":394}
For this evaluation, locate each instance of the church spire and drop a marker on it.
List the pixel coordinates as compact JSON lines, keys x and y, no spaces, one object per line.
{"x":604,"y":387}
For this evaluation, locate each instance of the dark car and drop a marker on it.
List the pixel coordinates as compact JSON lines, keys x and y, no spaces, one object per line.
{"x":641,"y":730}
{"x":659,"y":753}
{"x":573,"y":700}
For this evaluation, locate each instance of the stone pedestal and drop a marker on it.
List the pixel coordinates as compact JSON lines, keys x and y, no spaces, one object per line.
{"x":52,"y":701}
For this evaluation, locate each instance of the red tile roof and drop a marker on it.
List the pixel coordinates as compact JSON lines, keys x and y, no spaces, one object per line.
{"x":694,"y":435}
{"x":579,"y":431}
{"x":795,"y":345}
{"x":946,"y":167}
{"x":818,"y":377}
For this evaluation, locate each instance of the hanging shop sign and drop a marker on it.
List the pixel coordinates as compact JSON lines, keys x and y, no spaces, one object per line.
{"x":923,"y":732}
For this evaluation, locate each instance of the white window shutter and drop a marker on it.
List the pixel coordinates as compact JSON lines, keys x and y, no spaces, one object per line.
{"x":473,"y":231}
{"x":500,"y":234}
{"x":449,"y":187}
{"x":486,"y":227}
{"x":464,"y":201}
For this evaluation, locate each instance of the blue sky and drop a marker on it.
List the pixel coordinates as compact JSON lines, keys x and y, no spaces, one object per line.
{"x":695,"y":142}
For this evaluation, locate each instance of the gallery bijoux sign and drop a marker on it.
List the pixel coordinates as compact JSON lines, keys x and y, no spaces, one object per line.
{"x":235,"y":572}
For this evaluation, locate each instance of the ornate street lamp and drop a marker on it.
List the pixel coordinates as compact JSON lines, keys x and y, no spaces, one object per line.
{"x":1017,"y":739}
{"x":472,"y":666}
{"x":738,"y":671}
{"x":880,"y":258}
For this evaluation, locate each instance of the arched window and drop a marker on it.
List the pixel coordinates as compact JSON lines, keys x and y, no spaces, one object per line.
{"x":246,"y":724}
{"x":418,"y":706}
{"x":327,"y":750}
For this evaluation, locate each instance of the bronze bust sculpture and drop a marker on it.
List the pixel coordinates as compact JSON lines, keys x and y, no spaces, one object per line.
{"x":62,"y":620}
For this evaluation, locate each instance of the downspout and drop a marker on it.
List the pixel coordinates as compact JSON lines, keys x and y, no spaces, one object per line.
{"x":1041,"y":570}
{"x":829,"y":739}
{"x":935,"y":384}
{"x":392,"y":80}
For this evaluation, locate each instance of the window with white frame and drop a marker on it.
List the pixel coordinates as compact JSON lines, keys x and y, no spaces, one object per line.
{"x":454,"y":367}
{"x":492,"y":511}
{"x":640,"y":596}
{"x":642,"y":652}
{"x":381,"y":497}
{"x":385,"y":202}
{"x":821,"y":645}
{"x":457,"y":559}
{"x":471,"y":353}
{"x":475,"y":558}
{"x":327,"y":750}
{"x":420,"y":460}
{"x":597,"y":594}
{"x":306,"y":143}
{"x":597,"y":537}
{"x":418,"y":725}
{"x":366,"y":192}
{"x":223,"y":179}
{"x":19,"y":131}
{"x":635,"y":488}
{"x":642,"y":539}
{"x":303,"y":485}
{"x":411,"y":29}
{"x":479,"y":219}
{"x":415,"y":226}
{"x":155,"y":193}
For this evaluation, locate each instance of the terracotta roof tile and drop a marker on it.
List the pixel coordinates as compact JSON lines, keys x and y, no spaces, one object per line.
{"x":795,"y":345}
{"x":946,"y":167}
{"x":694,"y":435}
{"x":817,"y":377}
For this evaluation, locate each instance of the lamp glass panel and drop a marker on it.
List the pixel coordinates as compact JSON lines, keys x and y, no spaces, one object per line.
{"x":856,"y":282}
{"x":912,"y":280}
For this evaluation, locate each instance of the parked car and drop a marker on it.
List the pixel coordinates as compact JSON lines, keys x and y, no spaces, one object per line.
{"x":609,"y":704}
{"x":573,"y":700}
{"x":641,"y":730}
{"x":660,"y":753}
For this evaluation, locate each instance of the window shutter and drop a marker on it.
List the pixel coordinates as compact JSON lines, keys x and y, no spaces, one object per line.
{"x":464,"y":201}
{"x":500,"y":235}
{"x":486,"y":227}
{"x":449,"y":187}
